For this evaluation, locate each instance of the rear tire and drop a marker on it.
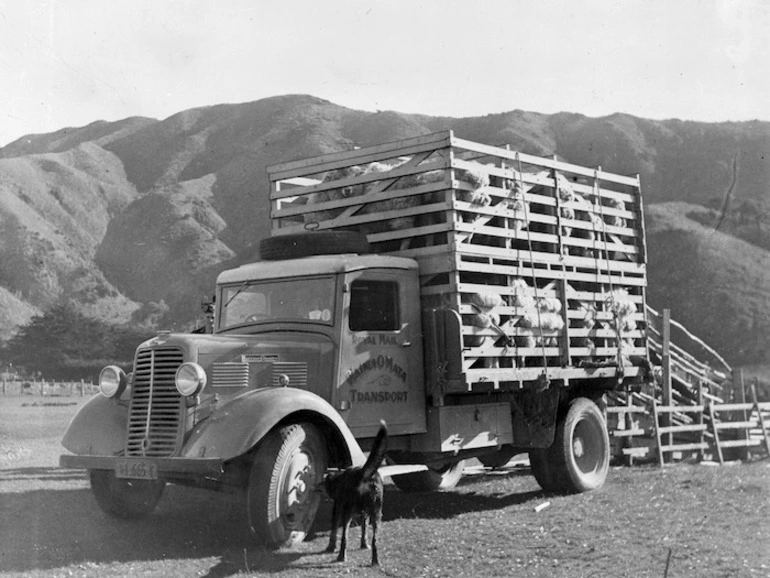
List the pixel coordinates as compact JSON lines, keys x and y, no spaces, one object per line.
{"x":281,"y":499}
{"x":433,"y":480}
{"x":125,"y":498}
{"x":579,"y":458}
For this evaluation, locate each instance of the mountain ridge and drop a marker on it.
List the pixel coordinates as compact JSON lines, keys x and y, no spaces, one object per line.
{"x":121,"y":216}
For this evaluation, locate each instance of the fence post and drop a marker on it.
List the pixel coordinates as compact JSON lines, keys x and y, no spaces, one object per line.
{"x":666,"y":361}
{"x":741,"y":391}
{"x":702,"y":438}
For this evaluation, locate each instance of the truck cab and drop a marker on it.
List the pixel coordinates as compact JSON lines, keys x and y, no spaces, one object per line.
{"x":363,"y":315}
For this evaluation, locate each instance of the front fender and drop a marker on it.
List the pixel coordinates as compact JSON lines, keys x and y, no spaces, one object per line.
{"x":239,"y":425}
{"x":98,"y":428}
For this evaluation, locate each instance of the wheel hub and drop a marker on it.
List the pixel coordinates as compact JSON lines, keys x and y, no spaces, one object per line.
{"x":578,"y":450}
{"x":296,"y":488}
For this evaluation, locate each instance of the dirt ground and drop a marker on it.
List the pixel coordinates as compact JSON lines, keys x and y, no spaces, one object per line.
{"x":683,"y":520}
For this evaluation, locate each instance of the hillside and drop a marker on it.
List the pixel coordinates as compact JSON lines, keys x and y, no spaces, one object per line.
{"x":140,"y":215}
{"x":54,"y":211}
{"x":711,"y":281}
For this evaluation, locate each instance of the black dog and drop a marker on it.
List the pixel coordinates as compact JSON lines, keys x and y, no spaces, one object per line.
{"x":358,"y":490}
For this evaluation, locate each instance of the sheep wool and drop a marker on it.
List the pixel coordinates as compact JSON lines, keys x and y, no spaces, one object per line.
{"x":486,"y":301}
{"x":549,"y":304}
{"x":477,"y":177}
{"x":522,"y":295}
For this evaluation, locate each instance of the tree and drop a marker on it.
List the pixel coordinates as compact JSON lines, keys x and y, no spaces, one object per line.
{"x":62,"y":343}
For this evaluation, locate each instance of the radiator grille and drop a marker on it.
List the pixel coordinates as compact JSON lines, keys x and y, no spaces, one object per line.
{"x":297,"y":372}
{"x":156,"y":414}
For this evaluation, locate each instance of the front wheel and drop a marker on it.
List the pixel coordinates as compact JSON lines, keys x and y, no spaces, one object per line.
{"x":432,"y":480}
{"x":281,"y":498}
{"x":579,"y":459}
{"x":125,"y":498}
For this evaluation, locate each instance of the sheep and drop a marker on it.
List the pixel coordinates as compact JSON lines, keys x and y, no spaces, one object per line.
{"x":522,"y":294}
{"x":486,"y":300}
{"x":333,"y":194}
{"x":616,"y":220}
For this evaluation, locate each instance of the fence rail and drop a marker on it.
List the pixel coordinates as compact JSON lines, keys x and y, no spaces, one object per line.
{"x":48,"y":388}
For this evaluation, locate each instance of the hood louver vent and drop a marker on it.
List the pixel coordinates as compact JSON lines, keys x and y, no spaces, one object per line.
{"x":296,"y":371}
{"x":230,"y":374}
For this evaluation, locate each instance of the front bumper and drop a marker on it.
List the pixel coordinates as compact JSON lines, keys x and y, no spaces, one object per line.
{"x":203,"y":467}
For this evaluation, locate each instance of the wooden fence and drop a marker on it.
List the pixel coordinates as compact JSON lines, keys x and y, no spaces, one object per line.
{"x":697,"y":406}
{"x":48,"y":388}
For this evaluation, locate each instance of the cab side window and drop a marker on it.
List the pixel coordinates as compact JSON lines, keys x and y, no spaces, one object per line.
{"x":374,"y":306}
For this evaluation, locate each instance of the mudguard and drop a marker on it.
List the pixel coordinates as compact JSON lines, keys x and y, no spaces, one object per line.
{"x":98,"y":427}
{"x":237,"y":426}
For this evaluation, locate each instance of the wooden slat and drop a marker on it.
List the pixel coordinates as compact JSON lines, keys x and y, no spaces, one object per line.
{"x":724,"y":425}
{"x":733,"y":407}
{"x":740,"y":443}
{"x":363,"y":155}
{"x":539,"y":161}
{"x":627,"y":433}
{"x":511,"y":234}
{"x":681,"y":428}
{"x":681,"y":408}
{"x":684,"y":447}
{"x":621,"y":409}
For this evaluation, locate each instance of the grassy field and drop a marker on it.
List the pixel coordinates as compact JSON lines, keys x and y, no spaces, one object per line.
{"x":686,"y":519}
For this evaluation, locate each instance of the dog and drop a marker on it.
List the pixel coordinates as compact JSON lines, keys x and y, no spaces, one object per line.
{"x":358,"y":490}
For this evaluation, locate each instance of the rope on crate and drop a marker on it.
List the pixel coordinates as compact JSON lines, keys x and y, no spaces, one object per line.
{"x":542,"y":381}
{"x":611,"y":299}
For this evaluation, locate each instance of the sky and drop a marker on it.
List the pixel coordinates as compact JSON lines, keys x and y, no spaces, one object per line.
{"x":67,"y":63}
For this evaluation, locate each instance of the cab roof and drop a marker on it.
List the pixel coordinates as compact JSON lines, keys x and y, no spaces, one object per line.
{"x":315,"y":265}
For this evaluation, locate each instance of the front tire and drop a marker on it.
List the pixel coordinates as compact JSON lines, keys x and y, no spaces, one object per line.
{"x":125,"y":498}
{"x":433,"y":480}
{"x":579,"y":458}
{"x":281,"y":498}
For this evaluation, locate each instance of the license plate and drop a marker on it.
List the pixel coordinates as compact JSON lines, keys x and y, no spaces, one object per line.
{"x":136,"y":469}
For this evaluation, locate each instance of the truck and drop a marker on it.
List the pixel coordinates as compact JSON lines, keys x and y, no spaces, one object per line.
{"x":479,"y":300}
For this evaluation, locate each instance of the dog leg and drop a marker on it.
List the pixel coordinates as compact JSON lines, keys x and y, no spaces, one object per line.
{"x":335,"y":524}
{"x":364,"y":521}
{"x":344,"y":541}
{"x":375,"y":558}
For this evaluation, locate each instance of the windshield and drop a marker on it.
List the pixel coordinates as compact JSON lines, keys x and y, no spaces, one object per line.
{"x":305,"y":300}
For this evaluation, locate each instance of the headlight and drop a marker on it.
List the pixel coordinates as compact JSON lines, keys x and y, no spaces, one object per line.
{"x":112,"y":381}
{"x":190,"y":379}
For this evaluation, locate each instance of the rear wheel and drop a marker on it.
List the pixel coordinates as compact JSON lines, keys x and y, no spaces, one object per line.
{"x":579,"y":459}
{"x":125,"y":498}
{"x":281,"y":498}
{"x":433,"y":480}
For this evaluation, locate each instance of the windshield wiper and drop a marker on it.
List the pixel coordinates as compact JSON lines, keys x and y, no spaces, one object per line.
{"x":238,"y":292}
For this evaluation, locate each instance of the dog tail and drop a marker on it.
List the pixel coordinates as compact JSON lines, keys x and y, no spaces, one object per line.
{"x":378,"y":452}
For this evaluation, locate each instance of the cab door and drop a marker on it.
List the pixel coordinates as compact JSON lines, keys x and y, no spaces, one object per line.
{"x":381,"y":364}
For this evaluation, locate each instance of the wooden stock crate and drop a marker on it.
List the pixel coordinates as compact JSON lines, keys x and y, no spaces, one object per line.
{"x":534,"y":265}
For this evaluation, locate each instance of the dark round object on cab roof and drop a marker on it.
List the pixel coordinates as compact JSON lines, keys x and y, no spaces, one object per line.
{"x":313,"y":243}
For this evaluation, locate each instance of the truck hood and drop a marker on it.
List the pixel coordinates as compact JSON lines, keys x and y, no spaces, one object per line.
{"x":235,"y":362}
